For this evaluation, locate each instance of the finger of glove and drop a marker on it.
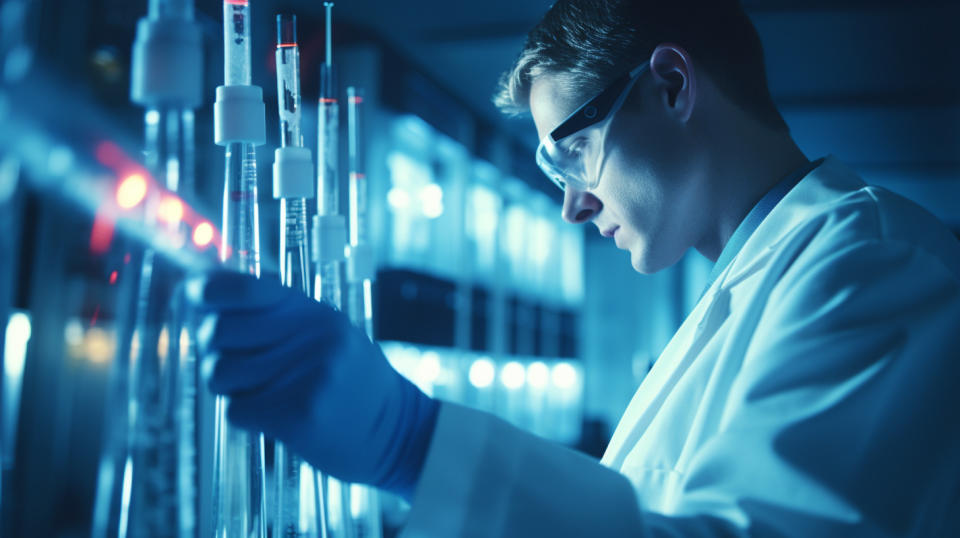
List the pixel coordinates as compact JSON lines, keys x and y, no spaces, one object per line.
{"x":271,"y":410}
{"x":232,"y":372}
{"x":291,"y":416}
{"x":255,"y":329}
{"x":221,"y":290}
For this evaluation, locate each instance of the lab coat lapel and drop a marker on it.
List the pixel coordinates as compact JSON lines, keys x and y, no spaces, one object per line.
{"x":820,"y":186}
{"x":702,"y":323}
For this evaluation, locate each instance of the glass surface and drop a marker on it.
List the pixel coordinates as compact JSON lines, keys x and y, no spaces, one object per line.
{"x":236,"y":42}
{"x":238,"y":468}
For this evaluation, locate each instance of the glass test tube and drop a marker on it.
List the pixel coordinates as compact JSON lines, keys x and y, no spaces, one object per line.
{"x":158,"y":492}
{"x":360,"y":293}
{"x":297,"y":505}
{"x":239,"y":502}
{"x":161,"y":466}
{"x":328,"y":285}
{"x":364,"y":505}
{"x":294,"y":262}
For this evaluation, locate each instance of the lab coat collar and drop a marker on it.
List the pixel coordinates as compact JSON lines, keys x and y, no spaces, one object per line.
{"x":755,"y":217}
{"x":824,"y":184}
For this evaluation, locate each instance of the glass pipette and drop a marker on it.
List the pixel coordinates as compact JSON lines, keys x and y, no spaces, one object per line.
{"x":329,"y":245}
{"x":238,"y":468}
{"x":157,"y":483}
{"x":364,"y":505}
{"x":298,"y":504}
{"x":328,"y":285}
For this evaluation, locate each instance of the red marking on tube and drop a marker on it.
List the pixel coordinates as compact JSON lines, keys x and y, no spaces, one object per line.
{"x":96,"y":314}
{"x":328,"y":100}
{"x":356,"y":100}
{"x":126,"y":258}
{"x":113,"y":278}
{"x":239,"y":196}
{"x":356,"y":175}
{"x":287,"y":45}
{"x":236,"y":2}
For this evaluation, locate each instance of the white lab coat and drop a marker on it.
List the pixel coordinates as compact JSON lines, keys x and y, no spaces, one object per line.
{"x":813,"y":391}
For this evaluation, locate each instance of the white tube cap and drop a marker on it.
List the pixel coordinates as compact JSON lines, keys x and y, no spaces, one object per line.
{"x":167,"y":63}
{"x":360,"y":263}
{"x":329,"y":238}
{"x":293,"y":173}
{"x":239,"y":115}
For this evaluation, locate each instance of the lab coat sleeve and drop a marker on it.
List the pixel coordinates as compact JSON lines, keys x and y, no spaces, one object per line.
{"x":841,"y":422}
{"x":844,"y":418}
{"x":484,"y":477}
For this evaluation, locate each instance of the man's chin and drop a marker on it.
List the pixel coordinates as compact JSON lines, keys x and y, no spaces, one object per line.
{"x":644,"y":262}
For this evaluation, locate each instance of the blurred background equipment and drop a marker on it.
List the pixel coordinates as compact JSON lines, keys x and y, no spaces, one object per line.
{"x":439,"y":236}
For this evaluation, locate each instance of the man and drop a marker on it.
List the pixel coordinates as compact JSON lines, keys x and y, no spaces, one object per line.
{"x":811,"y":392}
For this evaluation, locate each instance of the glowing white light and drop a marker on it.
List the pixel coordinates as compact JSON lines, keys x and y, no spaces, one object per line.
{"x":99,"y":346}
{"x":73,"y":332}
{"x":542,"y":243}
{"x":15,"y":348}
{"x":513,"y":375}
{"x":131,"y":191}
{"x":307,"y":512}
{"x":481,"y":373}
{"x":516,"y":222}
{"x":564,"y":376}
{"x":398,"y":199}
{"x":203,"y":234}
{"x":428,"y":371}
{"x":485,"y":210}
{"x":431,"y":200}
{"x":538,"y":375}
{"x":335,"y":508}
{"x":152,"y":117}
{"x":406,"y":171}
{"x":357,"y":500}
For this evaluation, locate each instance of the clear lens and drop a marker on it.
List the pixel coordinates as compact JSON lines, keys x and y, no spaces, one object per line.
{"x":565,"y":162}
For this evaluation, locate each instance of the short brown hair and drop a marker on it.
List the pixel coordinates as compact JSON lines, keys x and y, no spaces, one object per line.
{"x":595,"y":41}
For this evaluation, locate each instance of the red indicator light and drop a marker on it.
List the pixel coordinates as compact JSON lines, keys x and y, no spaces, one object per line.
{"x":109,"y":154}
{"x":113,"y":278}
{"x":203,"y":234}
{"x":96,"y":314}
{"x":132,"y":191}
{"x":101,"y":235}
{"x":170,"y":210}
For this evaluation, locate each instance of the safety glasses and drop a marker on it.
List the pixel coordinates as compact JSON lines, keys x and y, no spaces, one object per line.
{"x":566,"y":152}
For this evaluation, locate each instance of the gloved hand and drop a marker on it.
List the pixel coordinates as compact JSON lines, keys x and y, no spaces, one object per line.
{"x":300,"y":372}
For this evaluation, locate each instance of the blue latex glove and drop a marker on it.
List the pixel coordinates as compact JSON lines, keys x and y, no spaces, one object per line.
{"x":300,"y":372}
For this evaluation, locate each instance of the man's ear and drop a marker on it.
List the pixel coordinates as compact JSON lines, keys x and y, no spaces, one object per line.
{"x":674,"y":75}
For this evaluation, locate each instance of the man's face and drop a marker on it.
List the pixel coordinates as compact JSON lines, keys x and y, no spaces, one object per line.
{"x":646,"y":198}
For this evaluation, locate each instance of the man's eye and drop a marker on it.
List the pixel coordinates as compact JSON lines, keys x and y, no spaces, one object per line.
{"x":577,"y":147}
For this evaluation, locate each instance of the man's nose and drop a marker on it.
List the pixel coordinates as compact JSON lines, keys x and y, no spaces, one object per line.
{"x":579,"y":206}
